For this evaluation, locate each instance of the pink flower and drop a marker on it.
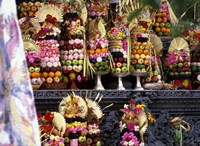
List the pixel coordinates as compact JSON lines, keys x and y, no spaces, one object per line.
{"x":137,"y":110}
{"x":31,"y":60}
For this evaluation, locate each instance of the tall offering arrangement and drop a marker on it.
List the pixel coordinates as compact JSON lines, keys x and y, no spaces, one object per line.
{"x":141,"y":48}
{"x":47,"y":39}
{"x":73,"y":43}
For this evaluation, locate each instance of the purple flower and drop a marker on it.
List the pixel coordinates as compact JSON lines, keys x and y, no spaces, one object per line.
{"x":132,"y":101}
{"x":139,"y":35}
{"x":137,"y":110}
{"x":131,"y":127}
{"x":31,"y":60}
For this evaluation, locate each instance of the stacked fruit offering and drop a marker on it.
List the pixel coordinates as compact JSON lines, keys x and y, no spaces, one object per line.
{"x":28,"y":8}
{"x":195,"y":63}
{"x":140,"y":54}
{"x":179,"y":64}
{"x":50,"y":62}
{"x":72,"y":45}
{"x":98,"y":54}
{"x":33,"y":61}
{"x":162,"y":24}
{"x":93,"y":136}
{"x":119,"y":50}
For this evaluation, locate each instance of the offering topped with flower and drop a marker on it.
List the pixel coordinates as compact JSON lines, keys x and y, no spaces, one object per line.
{"x":133,"y":124}
{"x":115,"y":33}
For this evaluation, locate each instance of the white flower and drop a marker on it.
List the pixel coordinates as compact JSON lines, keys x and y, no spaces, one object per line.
{"x":131,"y":143}
{"x":136,"y":128}
{"x":126,"y":106}
{"x":126,"y":143}
{"x":142,"y":144}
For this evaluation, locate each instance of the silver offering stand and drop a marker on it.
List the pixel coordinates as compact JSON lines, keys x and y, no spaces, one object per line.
{"x":99,"y":85}
{"x":138,"y":81}
{"x":120,"y":76}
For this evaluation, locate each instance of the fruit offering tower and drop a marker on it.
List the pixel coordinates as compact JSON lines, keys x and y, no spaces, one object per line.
{"x":50,"y":16}
{"x":178,"y":64}
{"x":33,"y":60}
{"x":118,"y":47}
{"x":162,"y":20}
{"x":140,"y":54}
{"x":73,"y":48}
{"x":98,"y":46}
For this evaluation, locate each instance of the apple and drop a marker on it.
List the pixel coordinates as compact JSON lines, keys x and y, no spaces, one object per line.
{"x":147,"y":57}
{"x":162,"y":24}
{"x":80,"y":62}
{"x":142,"y":47}
{"x":137,"y":56}
{"x":119,"y":64}
{"x":97,"y":64}
{"x":176,"y":73}
{"x":140,"y":61}
{"x":154,"y":78}
{"x":75,"y":62}
{"x":63,"y":62}
{"x":171,"y":74}
{"x":174,"y":69}
{"x":124,"y":65}
{"x":148,"y":79}
{"x":68,"y":62}
{"x":56,"y":79}
{"x":156,"y":24}
{"x":102,"y":63}
{"x":136,"y":47}
{"x":142,"y":56}
{"x":67,"y":140}
{"x":155,"y":73}
{"x":124,"y":69}
{"x":49,"y":80}
{"x":118,"y":70}
{"x":31,"y":69}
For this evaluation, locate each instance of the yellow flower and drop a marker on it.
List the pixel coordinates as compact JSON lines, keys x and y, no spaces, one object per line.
{"x":140,"y":106}
{"x":89,"y":19}
{"x":185,"y":83}
{"x":150,"y":118}
{"x":57,"y":138}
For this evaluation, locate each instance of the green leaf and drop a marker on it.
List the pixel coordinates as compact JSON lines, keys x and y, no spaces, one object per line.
{"x":177,"y":135}
{"x":135,"y":13}
{"x":154,"y":4}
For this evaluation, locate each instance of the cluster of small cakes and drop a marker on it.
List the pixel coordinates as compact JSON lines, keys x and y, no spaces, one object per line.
{"x":50,"y":62}
{"x":119,"y":49}
{"x":93,"y":134}
{"x":33,"y":61}
{"x":28,"y":8}
{"x":140,"y":54}
{"x":98,"y":54}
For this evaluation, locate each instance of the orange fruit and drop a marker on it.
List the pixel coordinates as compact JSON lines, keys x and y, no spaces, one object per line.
{"x":91,"y":51}
{"x":140,"y":51}
{"x":44,"y":74}
{"x":164,"y":15}
{"x":159,"y":19}
{"x":168,"y":30}
{"x":146,"y":52}
{"x":98,"y":50}
{"x":157,"y":29}
{"x":104,"y":50}
{"x":35,"y":75}
{"x":139,"y":43}
{"x":134,"y":52}
{"x":163,"y":29}
{"x":51,"y":74}
{"x":58,"y":74}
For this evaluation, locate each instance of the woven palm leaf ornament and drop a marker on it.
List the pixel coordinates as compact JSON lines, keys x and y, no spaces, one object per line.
{"x":30,"y":45}
{"x":52,"y":10}
{"x":178,"y":44}
{"x":157,"y":44}
{"x":97,"y":24}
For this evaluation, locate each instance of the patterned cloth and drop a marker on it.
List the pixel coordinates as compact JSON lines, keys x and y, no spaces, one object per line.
{"x":18,"y":120}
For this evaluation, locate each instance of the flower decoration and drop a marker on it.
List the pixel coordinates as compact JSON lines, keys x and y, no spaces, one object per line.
{"x":129,"y":139}
{"x":133,"y":121}
{"x":51,"y":19}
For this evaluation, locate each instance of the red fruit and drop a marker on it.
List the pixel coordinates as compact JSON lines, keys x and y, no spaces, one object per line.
{"x":174,"y":69}
{"x":154,"y":78}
